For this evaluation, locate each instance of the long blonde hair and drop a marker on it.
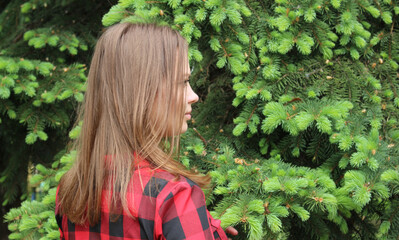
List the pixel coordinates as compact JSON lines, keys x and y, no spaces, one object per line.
{"x":130,"y":107}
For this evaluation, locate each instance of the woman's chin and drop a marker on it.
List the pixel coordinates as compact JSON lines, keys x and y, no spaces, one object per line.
{"x":184,"y":127}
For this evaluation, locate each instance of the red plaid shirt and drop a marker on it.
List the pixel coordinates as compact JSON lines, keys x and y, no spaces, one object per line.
{"x":165,"y":209}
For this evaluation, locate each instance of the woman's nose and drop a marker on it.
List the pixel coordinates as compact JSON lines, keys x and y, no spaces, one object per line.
{"x":192,"y":97}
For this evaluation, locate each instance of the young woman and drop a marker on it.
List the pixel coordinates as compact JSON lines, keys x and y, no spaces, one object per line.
{"x":125,"y":183}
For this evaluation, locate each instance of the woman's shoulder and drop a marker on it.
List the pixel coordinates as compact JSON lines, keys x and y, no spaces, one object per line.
{"x":157,"y":182}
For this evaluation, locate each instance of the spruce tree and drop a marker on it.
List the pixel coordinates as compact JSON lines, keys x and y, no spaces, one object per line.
{"x":298,"y":118}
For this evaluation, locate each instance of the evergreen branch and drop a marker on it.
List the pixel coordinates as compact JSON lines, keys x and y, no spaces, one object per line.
{"x":224,"y":48}
{"x":200,"y":136}
{"x":317,"y":38}
{"x":250,"y":42}
{"x":362,"y":6}
{"x":213,"y":163}
{"x":37,"y":123}
{"x":316,"y":152}
{"x":225,"y":117}
{"x":222,"y":213}
{"x":393,"y":86}
{"x":393,"y":214}
{"x":379,"y":6}
{"x":391,"y":42}
{"x":209,"y":193}
{"x":285,"y":75}
{"x":253,"y":11}
{"x":232,"y":29}
{"x":293,"y":100}
{"x":254,"y":80}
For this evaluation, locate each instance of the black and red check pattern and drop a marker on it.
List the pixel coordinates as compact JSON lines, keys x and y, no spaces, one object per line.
{"x":163,"y":208}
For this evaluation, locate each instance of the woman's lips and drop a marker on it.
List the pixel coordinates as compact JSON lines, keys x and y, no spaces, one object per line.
{"x":188,"y":116}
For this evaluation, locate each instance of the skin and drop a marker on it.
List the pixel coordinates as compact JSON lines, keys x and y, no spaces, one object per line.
{"x":231,"y":231}
{"x":191,"y":98}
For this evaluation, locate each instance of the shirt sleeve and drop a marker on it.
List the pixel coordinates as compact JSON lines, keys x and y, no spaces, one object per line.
{"x":184,"y":215}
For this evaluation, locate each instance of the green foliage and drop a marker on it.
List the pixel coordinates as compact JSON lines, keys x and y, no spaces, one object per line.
{"x":31,"y":80}
{"x":299,"y":114}
{"x":35,"y":219}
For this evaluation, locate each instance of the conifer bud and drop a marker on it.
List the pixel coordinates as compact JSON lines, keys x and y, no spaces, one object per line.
{"x":373,"y":65}
{"x":239,"y":161}
{"x":161,"y":12}
{"x":381,"y":61}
